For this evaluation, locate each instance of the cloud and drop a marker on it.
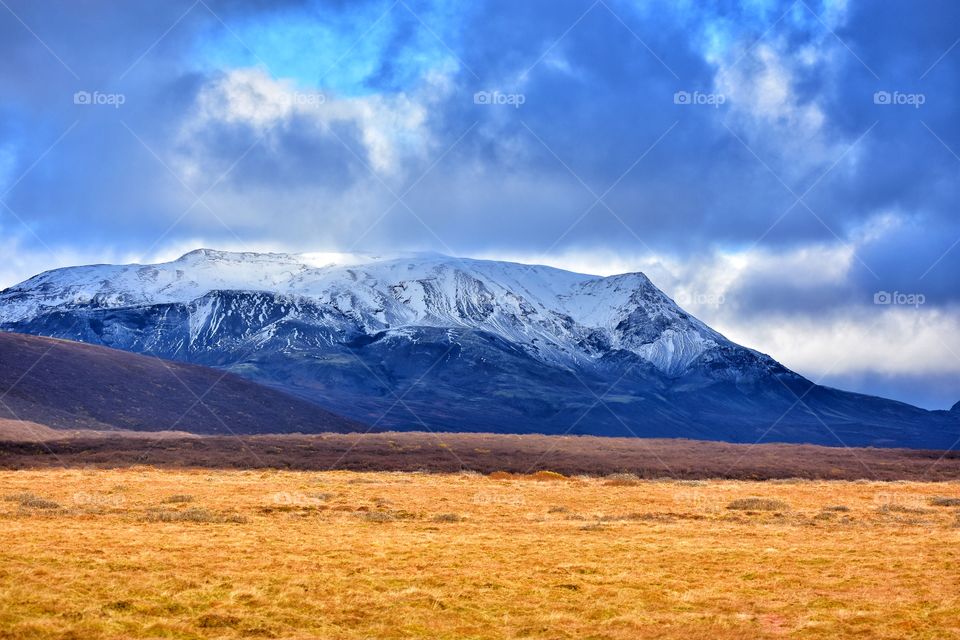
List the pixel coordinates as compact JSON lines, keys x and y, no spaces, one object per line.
{"x":392,"y":129}
{"x":808,"y":309}
{"x":598,"y":165}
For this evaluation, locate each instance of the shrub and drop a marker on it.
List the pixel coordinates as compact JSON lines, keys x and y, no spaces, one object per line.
{"x":31,"y":501}
{"x":537,"y":475}
{"x":214,"y":620}
{"x":837,"y":507}
{"x":622,"y":480}
{"x":119,"y":605}
{"x":39,"y":503}
{"x":179,"y":498}
{"x":386,"y":516}
{"x":448,"y":517}
{"x":17,"y":497}
{"x":941,"y":501}
{"x":758,"y":504}
{"x":547,"y":476}
{"x":899,"y":508}
{"x":379,"y":516}
{"x":193,"y":515}
{"x":557,"y":510}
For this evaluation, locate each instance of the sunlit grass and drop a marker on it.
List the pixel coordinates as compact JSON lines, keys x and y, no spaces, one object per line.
{"x":233,"y":554}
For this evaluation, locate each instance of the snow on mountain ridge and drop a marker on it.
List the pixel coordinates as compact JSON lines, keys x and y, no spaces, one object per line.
{"x":554,"y":314}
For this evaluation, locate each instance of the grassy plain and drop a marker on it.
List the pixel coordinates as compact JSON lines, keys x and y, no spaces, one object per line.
{"x":141,"y":552}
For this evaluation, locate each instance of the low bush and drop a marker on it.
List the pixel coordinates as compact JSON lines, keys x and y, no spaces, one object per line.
{"x":892,"y":507}
{"x":900,"y":508}
{"x":547,"y":476}
{"x":193,"y":515}
{"x":758,"y":504}
{"x":216,"y":620}
{"x":543,"y":476}
{"x":941,"y":501}
{"x":448,"y":517}
{"x":622,"y":480}
{"x":379,"y":516}
{"x":31,"y":501}
{"x":386,"y":516}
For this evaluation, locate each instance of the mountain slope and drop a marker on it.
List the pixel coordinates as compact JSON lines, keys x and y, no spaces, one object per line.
{"x":427,"y":341}
{"x":66,"y":385}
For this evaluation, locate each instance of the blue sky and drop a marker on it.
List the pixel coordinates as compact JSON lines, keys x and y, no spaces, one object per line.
{"x":774,"y":166}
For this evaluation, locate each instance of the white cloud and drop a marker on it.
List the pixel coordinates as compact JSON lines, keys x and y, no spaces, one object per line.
{"x":888,"y":340}
{"x":392,"y":128}
{"x":788,"y":130}
{"x":23,"y":259}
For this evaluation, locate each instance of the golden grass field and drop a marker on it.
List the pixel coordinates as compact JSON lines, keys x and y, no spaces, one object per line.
{"x":185,"y":554}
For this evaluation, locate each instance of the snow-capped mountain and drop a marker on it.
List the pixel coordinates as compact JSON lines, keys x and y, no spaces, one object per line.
{"x":556,"y":316}
{"x":431,"y":341}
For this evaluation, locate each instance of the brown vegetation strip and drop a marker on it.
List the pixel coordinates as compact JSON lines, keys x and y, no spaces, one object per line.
{"x":487,"y":453}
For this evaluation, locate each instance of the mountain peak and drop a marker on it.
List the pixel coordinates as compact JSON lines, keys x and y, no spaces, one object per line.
{"x":557,"y":316}
{"x":499,"y":345}
{"x":204,"y":253}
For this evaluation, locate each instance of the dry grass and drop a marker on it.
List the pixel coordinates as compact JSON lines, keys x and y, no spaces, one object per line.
{"x":397,"y":555}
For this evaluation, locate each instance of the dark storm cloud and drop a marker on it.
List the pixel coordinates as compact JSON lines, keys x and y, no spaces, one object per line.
{"x":598,"y":118}
{"x":597,"y":95}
